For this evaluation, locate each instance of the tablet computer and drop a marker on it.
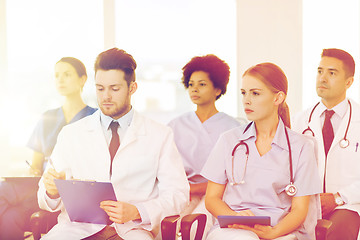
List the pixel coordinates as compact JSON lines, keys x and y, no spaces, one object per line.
{"x":225,"y":220}
{"x":82,"y":199}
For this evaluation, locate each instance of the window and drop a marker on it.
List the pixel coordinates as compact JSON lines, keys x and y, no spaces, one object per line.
{"x":163,"y":36}
{"x":39,"y":33}
{"x":328,"y":24}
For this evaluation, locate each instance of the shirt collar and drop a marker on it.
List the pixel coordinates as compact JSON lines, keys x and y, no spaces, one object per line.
{"x":249,"y":131}
{"x":279,"y":138}
{"x":124,"y":121}
{"x":339,"y":109}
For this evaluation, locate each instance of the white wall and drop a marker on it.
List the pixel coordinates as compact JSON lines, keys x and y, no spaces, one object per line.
{"x":271,"y":31}
{"x":3,"y":49}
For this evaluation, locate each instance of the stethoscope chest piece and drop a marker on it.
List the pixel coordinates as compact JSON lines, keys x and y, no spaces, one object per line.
{"x":291,"y":189}
{"x":344,"y":143}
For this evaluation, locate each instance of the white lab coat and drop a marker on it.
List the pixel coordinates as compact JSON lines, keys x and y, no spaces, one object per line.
{"x":147,"y":172}
{"x":343,"y":165}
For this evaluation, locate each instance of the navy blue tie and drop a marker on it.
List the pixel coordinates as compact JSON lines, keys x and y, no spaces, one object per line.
{"x":114,"y":143}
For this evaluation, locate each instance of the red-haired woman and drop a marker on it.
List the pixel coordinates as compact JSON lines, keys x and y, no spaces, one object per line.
{"x":264,"y":168}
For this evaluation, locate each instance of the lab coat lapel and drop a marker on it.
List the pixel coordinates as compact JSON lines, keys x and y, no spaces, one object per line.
{"x":355,"y":117}
{"x":338,"y":136}
{"x":355,"y":112}
{"x":136,"y":129}
{"x":96,"y":134}
{"x":315,"y":125}
{"x":94,"y":127}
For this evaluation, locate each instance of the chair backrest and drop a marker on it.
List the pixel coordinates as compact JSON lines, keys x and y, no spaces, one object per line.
{"x":168,"y":227}
{"x":169,"y":224}
{"x":41,"y":222}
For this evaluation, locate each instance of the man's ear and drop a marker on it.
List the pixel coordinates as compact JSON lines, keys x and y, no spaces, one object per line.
{"x":349,"y":82}
{"x":132,"y":87}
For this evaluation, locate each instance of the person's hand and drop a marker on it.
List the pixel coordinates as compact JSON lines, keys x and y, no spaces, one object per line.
{"x":34,"y":172}
{"x":327,"y":203}
{"x":48,"y":179}
{"x":245,"y":213}
{"x":263,"y":232}
{"x":120,"y":212}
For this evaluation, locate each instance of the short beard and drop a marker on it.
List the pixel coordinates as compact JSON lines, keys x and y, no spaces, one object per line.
{"x":117,"y":112}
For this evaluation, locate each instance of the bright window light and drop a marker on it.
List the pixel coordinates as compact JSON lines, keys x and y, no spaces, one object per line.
{"x":328,"y":24}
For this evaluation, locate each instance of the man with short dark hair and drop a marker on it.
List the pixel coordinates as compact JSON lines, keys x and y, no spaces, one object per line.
{"x":117,"y":144}
{"x":335,"y":123}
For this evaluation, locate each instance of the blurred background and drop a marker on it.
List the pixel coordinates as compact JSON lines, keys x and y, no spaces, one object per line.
{"x":162,"y":36}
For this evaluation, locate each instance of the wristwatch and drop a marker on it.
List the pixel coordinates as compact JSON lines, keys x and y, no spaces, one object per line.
{"x":338,"y":200}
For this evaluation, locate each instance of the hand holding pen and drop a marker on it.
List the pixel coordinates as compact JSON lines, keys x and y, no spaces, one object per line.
{"x":48,"y":179}
{"x":33,"y":171}
{"x":48,"y":159}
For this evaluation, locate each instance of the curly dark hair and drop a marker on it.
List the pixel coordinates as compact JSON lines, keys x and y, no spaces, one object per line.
{"x":218,"y":70}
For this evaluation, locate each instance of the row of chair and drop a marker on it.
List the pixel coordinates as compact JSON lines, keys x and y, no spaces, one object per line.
{"x":41,"y":222}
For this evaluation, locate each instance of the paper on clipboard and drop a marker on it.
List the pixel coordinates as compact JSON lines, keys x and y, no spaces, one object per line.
{"x":82,"y":199}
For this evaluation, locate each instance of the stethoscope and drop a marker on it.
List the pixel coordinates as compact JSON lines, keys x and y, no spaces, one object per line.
{"x":344,"y":142}
{"x":290,"y":189}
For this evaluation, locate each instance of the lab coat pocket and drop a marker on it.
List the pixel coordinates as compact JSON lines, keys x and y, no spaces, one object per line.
{"x":141,"y":172}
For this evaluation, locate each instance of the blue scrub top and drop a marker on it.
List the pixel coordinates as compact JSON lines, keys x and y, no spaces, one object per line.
{"x":44,"y":136}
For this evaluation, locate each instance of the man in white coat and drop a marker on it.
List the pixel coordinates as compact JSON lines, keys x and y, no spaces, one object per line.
{"x":146,"y":169}
{"x":335,"y":123}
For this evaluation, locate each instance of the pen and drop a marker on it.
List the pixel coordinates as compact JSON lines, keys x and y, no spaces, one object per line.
{"x":27,"y":162}
{"x":35,"y":171}
{"x":51,"y":162}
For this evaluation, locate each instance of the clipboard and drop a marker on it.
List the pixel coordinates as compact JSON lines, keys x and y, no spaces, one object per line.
{"x":82,"y":199}
{"x":23,"y":180}
{"x":224,"y":220}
